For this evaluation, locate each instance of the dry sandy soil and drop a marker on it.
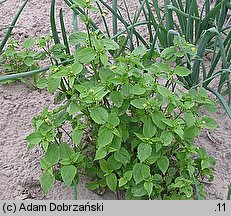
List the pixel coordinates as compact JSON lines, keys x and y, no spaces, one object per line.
{"x":20,"y":169}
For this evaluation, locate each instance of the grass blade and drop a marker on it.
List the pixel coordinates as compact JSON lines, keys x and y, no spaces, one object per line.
{"x":114,"y":19}
{"x":124,"y":22}
{"x":5,"y":39}
{"x":64,"y":34}
{"x":104,"y":21}
{"x":222,"y":101}
{"x":53,"y":24}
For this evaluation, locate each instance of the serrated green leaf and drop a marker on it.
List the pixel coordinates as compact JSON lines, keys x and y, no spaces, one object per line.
{"x":139,"y":103}
{"x":189,"y":119}
{"x":65,"y":151}
{"x":111,"y":181}
{"x":140,"y":172}
{"x":148,"y":187}
{"x":208,"y":122}
{"x":113,"y":120}
{"x":144,"y":151}
{"x":109,"y":44}
{"x":85,"y":55}
{"x":122,"y":182}
{"x":92,"y":185}
{"x":181,"y":71}
{"x":122,"y":156}
{"x":116,"y":98}
{"x":167,"y":137}
{"x":158,"y":121}
{"x":62,"y":72}
{"x":74,"y":108}
{"x":149,"y":128}
{"x":163,"y":164}
{"x":68,"y":174}
{"x":47,"y":181}
{"x":105,"y":137}
{"x":139,"y":51}
{"x":77,"y":68}
{"x":33,"y":139}
{"x":100,"y":153}
{"x":139,"y":190}
{"x":77,"y":37}
{"x":127,"y":90}
{"x":178,"y":130}
{"x":164,"y":91}
{"x":53,"y":84}
{"x":29,"y":61}
{"x":99,"y":115}
{"x":114,"y":164}
{"x":77,"y":136}
{"x":52,"y":154}
{"x":28,"y":43}
{"x":104,"y":165}
{"x":207,"y":163}
{"x":138,"y":90}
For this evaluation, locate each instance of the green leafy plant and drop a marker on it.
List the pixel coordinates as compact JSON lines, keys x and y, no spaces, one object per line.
{"x":125,"y":122}
{"x":207,"y":28}
{"x":16,"y":60}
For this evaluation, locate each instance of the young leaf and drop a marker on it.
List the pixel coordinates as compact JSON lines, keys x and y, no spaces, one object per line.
{"x":164,"y":91}
{"x":149,"y":128}
{"x":52,"y":154}
{"x":100,"y":153}
{"x":148,"y":187}
{"x":167,"y":137}
{"x":29,"y":61}
{"x":114,"y":164}
{"x":139,"y":103}
{"x":77,"y":38}
{"x":208,"y":122}
{"x":181,"y":71}
{"x":144,"y":151}
{"x":109,"y":44}
{"x":47,"y":181}
{"x":77,"y":136}
{"x":122,"y":182}
{"x":163,"y":164}
{"x":34,"y":139}
{"x":116,"y":98}
{"x":111,"y":181}
{"x":92,"y":185}
{"x":113,"y":120}
{"x":85,"y":55}
{"x":99,"y":115}
{"x":140,"y":172}
{"x":104,"y":165}
{"x":122,"y":156}
{"x":139,"y":51}
{"x":105,"y":137}
{"x":28,"y":43}
{"x":68,"y":174}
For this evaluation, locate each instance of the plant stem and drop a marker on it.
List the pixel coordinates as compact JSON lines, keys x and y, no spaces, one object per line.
{"x":76,"y":191}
